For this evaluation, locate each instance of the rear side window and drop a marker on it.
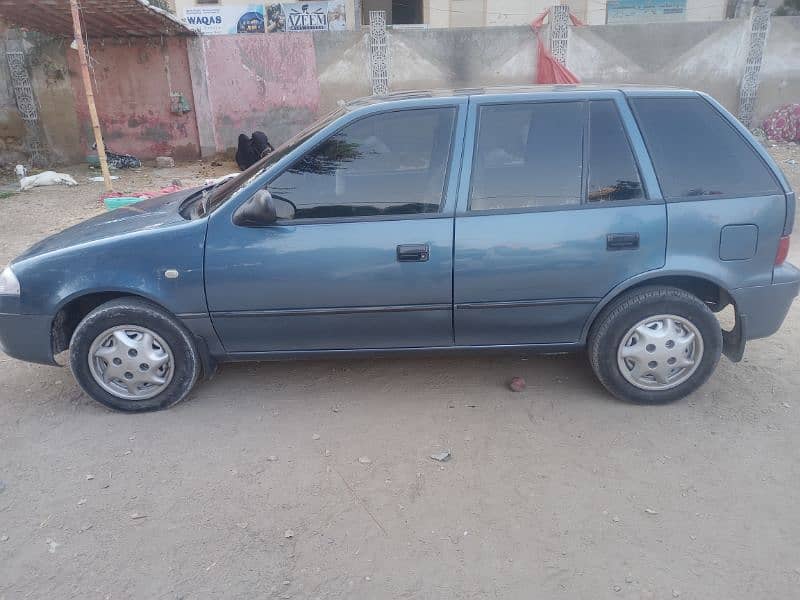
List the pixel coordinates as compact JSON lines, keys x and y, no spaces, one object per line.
{"x":528,"y":156}
{"x":613,"y":175}
{"x":697,"y":153}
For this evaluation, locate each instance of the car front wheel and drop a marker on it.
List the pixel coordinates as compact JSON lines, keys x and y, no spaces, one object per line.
{"x":132,"y":356}
{"x":655,"y":345}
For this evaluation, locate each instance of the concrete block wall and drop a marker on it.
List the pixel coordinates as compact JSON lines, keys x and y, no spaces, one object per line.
{"x":280,"y":83}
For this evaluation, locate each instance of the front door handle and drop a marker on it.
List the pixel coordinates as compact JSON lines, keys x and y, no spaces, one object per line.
{"x":622,"y":241}
{"x":413,"y":252}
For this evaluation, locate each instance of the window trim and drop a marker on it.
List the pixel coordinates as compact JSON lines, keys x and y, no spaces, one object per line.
{"x":726,"y":120}
{"x":645,"y":200}
{"x":367,"y":218}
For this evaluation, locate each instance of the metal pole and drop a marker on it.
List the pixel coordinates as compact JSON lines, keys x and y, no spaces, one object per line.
{"x":87,"y":88}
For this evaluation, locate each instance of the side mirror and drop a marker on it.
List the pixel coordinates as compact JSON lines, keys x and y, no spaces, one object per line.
{"x":257,"y":211}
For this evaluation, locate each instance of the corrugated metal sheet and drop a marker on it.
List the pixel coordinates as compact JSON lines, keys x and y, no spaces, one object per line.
{"x":101,"y":18}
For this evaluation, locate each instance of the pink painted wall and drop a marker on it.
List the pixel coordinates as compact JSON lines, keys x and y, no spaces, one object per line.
{"x":260,"y":82}
{"x":133,"y":79}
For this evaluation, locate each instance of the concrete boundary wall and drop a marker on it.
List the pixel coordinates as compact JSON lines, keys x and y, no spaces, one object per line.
{"x":280,"y":83}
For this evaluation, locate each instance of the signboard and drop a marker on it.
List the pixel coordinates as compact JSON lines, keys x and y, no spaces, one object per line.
{"x":306,"y":16}
{"x":645,"y":11}
{"x":218,"y":20}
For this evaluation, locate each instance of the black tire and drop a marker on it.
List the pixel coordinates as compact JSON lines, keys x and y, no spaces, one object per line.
{"x":629,"y":309}
{"x":136,"y":312}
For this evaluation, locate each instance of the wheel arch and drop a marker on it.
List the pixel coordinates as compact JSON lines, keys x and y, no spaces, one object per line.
{"x":72,"y":310}
{"x":708,"y":289}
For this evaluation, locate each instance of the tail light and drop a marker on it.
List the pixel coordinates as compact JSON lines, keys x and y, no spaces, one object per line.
{"x":783,"y":250}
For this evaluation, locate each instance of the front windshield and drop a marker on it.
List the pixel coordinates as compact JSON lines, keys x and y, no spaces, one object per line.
{"x":218,"y":196}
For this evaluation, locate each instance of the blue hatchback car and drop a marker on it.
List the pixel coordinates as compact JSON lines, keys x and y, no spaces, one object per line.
{"x":545,"y":219}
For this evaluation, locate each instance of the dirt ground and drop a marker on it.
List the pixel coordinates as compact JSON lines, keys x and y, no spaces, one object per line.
{"x":253,"y":487}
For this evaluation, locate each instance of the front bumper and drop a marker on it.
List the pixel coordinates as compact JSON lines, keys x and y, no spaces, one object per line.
{"x":27,"y":337}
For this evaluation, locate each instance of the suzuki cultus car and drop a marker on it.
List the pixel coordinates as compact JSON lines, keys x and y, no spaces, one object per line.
{"x":547,"y":219}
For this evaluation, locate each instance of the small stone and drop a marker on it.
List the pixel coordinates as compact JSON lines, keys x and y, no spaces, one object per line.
{"x":136,"y":516}
{"x":442,"y":456}
{"x":287,"y":582}
{"x":364,"y":460}
{"x":52,"y":545}
{"x":82,"y":501}
{"x":327,"y":452}
{"x":242,"y":525}
{"x":787,"y":405}
{"x":86,"y":527}
{"x":165,"y":162}
{"x":89,"y":477}
{"x":629,"y":579}
{"x":288,"y":534}
{"x":617,"y":588}
{"x":127,"y":452}
{"x":615,"y":519}
{"x":650,"y":511}
{"x":517,"y":384}
{"x":676,"y":593}
{"x":272,"y":458}
{"x":3,"y":538}
{"x":316,"y":436}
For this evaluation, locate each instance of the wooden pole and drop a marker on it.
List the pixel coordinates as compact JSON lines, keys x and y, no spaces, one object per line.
{"x":87,"y":88}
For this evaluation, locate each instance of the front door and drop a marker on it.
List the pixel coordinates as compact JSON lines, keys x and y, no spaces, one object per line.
{"x":364,"y":261}
{"x":553,"y":215}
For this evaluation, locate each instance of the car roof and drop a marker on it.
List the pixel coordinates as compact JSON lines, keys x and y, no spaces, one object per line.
{"x":628,"y":89}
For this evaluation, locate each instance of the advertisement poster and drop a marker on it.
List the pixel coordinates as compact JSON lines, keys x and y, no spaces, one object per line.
{"x":306,"y":16}
{"x":219,"y":20}
{"x":645,"y":11}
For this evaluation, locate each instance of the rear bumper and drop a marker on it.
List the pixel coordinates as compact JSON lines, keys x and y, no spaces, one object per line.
{"x":27,"y":337}
{"x":764,"y":308}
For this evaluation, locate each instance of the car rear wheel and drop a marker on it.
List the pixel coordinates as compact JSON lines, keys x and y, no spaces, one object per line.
{"x":655,"y":345}
{"x":132,"y":356}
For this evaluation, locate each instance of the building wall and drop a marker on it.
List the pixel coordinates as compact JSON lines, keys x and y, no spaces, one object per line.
{"x":280,"y":83}
{"x":133,"y":80}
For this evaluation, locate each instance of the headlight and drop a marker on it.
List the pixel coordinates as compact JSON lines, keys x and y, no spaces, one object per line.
{"x":9,"y":284}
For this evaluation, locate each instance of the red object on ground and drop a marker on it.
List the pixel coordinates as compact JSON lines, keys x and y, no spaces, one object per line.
{"x":548,"y":69}
{"x":147,"y":195}
{"x":784,"y":124}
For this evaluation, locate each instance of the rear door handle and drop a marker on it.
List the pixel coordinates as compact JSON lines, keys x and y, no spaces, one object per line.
{"x":413,"y":252}
{"x":622,"y":241}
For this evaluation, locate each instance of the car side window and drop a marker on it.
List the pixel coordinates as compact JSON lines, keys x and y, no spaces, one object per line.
{"x":528,"y":156}
{"x":697,"y":153}
{"x":384,"y":164}
{"x":613,"y":174}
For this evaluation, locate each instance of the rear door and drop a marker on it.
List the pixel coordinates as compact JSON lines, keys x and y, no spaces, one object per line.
{"x":554,"y":212}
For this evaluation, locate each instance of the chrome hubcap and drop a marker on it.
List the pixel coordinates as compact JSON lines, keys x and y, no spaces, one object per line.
{"x":131,"y":362}
{"x":660,"y":352}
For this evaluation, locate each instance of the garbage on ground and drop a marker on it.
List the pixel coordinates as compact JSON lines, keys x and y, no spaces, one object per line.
{"x":20,"y":171}
{"x":99,"y":179}
{"x":120,"y":161}
{"x":114,"y":200}
{"x":45,"y":178}
{"x":442,"y":456}
{"x":783,"y":125}
{"x":250,"y":149}
{"x":517,"y":384}
{"x":165,"y":162}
